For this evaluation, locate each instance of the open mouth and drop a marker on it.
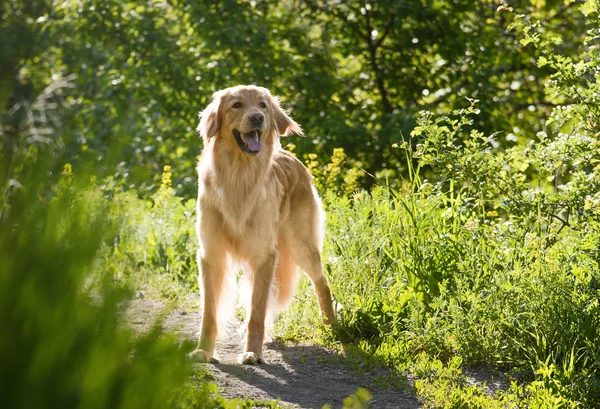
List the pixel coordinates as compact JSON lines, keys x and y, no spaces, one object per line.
{"x":248,"y":142}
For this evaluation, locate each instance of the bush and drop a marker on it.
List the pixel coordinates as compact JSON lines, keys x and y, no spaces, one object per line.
{"x":484,"y":256}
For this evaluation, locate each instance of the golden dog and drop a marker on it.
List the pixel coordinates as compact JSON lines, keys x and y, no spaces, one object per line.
{"x":256,"y":206}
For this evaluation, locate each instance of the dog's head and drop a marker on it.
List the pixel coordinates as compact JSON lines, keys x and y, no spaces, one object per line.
{"x":248,"y":115}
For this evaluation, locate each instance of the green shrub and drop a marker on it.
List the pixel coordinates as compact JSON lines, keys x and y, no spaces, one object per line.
{"x":483,"y":256}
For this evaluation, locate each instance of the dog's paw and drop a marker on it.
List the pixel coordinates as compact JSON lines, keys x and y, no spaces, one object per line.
{"x":201,"y":356}
{"x":251,"y":358}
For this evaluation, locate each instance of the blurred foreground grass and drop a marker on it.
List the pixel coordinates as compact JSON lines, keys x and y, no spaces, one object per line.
{"x":61,"y":342}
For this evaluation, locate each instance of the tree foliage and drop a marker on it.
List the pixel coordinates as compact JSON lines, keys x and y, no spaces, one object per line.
{"x":352,"y":73}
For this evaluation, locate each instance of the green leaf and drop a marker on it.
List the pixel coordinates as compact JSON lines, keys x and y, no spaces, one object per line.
{"x":589,"y":7}
{"x":417,"y":131}
{"x":525,"y":41}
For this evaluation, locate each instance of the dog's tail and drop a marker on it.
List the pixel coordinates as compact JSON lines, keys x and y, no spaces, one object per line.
{"x":227,"y":306}
{"x":285,"y":280}
{"x":280,"y":293}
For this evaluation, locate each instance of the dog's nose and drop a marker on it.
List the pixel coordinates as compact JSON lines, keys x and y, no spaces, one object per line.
{"x":256,"y":118}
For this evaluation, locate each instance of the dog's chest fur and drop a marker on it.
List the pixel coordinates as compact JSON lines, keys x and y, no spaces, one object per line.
{"x":242,"y":196}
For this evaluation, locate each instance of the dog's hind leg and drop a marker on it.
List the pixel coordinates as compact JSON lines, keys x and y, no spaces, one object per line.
{"x":305,"y":253}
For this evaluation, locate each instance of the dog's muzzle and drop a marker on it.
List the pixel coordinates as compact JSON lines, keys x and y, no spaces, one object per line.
{"x":248,"y":142}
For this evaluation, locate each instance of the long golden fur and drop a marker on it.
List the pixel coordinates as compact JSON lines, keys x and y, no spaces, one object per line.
{"x":257,"y":207}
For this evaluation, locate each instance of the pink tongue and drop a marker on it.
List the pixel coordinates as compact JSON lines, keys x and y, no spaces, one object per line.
{"x":253,"y":141}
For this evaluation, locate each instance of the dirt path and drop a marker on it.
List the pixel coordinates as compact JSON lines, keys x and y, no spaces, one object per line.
{"x":304,"y":376}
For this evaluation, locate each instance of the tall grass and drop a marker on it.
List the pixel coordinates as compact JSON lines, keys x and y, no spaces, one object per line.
{"x":63,"y":342}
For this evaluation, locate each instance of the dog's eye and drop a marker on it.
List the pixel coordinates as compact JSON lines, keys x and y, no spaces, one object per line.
{"x":263,"y":105}
{"x":237,"y":105}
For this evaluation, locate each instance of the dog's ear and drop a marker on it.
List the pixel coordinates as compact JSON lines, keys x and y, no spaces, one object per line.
{"x":283,"y":123}
{"x":210,"y":118}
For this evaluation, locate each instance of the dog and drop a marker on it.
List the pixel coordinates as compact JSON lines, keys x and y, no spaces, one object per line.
{"x":257,"y":207}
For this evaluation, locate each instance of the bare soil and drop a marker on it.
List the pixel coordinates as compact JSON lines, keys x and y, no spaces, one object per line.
{"x":303,"y":376}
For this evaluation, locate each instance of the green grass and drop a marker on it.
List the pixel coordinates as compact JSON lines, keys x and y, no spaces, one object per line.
{"x":427,"y":281}
{"x":425,"y":285}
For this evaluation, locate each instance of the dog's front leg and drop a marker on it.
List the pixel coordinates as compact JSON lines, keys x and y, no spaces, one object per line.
{"x":212,"y":275}
{"x":261,"y":289}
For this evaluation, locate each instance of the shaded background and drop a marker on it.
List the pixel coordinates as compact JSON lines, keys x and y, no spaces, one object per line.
{"x":352,"y":73}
